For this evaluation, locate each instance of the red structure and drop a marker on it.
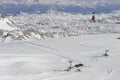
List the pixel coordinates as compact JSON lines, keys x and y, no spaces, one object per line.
{"x":93,"y":18}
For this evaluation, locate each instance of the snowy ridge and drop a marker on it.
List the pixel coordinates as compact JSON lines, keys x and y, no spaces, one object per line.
{"x":15,"y":7}
{"x":85,"y":3}
{"x":59,"y":24}
{"x":5,"y":24}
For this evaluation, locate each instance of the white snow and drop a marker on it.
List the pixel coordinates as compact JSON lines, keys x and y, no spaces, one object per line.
{"x":56,"y":24}
{"x":47,"y":59}
{"x":4,"y":24}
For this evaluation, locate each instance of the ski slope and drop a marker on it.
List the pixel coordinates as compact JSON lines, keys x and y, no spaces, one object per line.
{"x":48,"y":59}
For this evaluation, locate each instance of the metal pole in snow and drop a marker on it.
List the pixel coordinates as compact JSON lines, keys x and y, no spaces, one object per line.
{"x":106,"y":53}
{"x":70,"y":67}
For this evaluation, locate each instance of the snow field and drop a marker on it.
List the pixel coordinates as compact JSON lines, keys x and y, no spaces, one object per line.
{"x":47,"y":59}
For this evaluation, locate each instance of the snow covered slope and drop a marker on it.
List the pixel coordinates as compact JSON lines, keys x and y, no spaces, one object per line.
{"x":56,"y":24}
{"x":48,"y":59}
{"x":59,"y":24}
{"x":5,"y":24}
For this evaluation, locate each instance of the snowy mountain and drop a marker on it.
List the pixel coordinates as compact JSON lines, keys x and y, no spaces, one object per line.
{"x":88,"y":51}
{"x":14,"y":7}
{"x":82,"y":3}
{"x":48,"y":59}
{"x":5,"y":24}
{"x":63,"y":2}
{"x":59,"y":24}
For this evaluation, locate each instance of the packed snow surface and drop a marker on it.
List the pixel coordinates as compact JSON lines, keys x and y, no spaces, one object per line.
{"x":48,"y":59}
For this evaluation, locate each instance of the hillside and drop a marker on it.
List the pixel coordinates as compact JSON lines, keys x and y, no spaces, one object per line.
{"x":59,"y":39}
{"x":5,"y":24}
{"x":59,"y":24}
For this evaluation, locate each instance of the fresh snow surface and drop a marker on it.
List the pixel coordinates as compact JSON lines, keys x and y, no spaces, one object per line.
{"x":47,"y":59}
